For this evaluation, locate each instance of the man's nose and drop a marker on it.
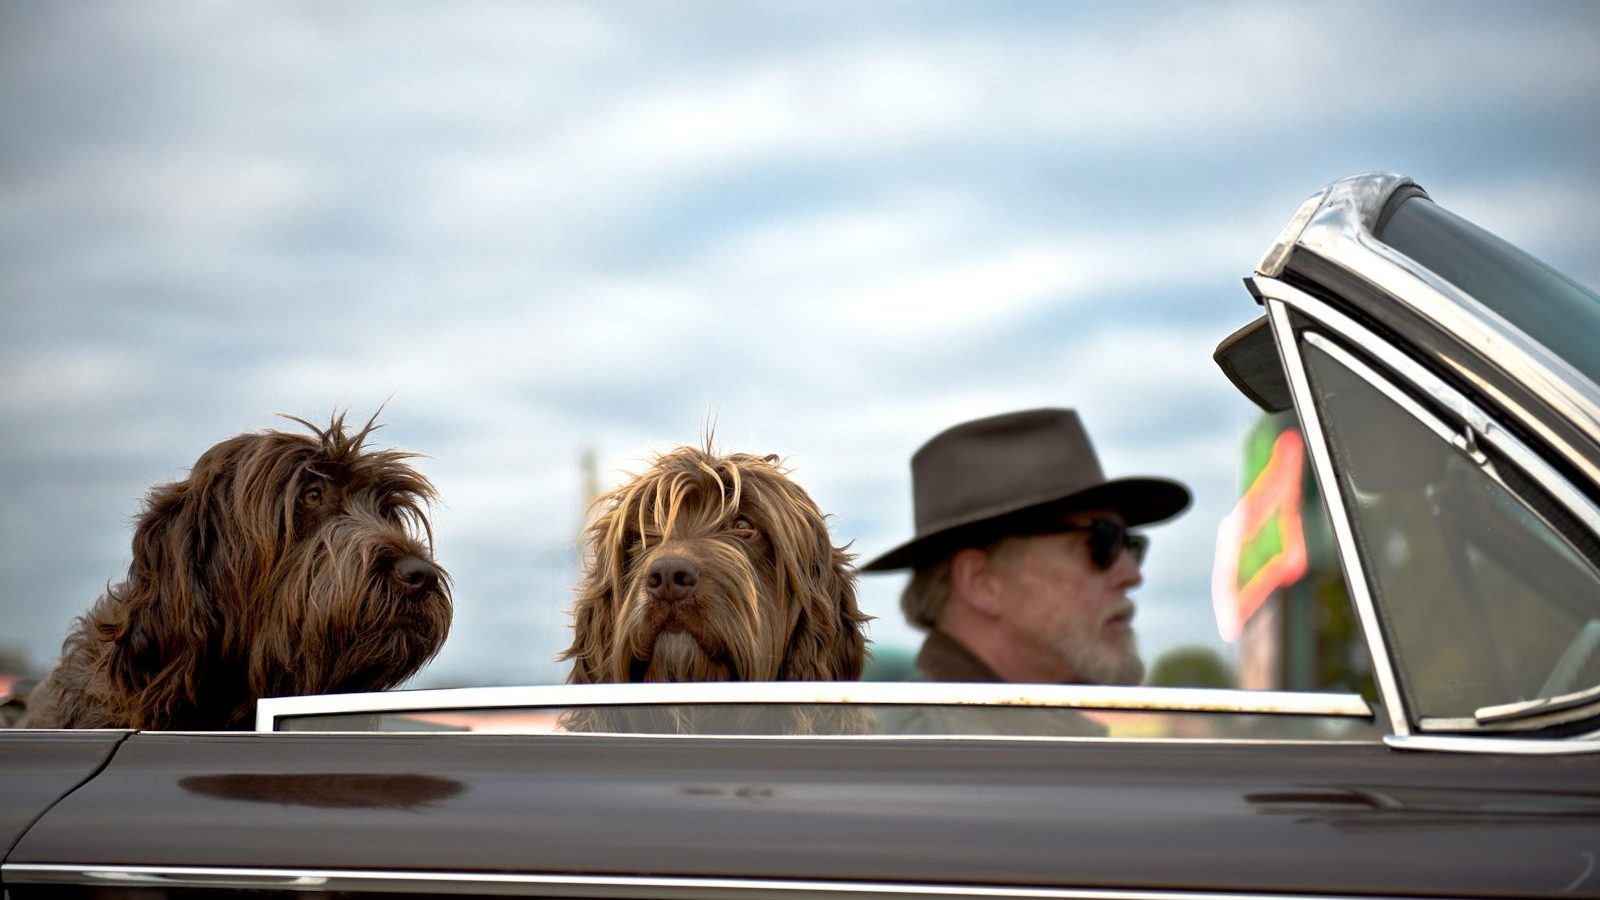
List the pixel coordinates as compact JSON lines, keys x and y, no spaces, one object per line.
{"x":1126,"y":571}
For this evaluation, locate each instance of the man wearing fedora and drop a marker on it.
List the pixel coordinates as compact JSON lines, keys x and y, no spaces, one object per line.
{"x":1022,"y":559}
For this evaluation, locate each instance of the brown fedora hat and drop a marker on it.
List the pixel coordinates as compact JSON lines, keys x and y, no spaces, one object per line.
{"x":1015,"y":473}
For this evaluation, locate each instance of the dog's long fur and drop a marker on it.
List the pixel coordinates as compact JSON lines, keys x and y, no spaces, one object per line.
{"x":775,"y":599}
{"x":283,"y":564}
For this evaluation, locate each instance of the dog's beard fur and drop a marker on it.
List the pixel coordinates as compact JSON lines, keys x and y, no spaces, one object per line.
{"x":726,"y":631}
{"x":284,"y":564}
{"x":772,"y":601}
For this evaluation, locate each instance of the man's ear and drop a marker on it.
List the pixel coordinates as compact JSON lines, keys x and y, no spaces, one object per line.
{"x":972,"y":582}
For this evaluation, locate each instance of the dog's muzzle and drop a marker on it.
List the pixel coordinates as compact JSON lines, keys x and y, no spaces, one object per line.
{"x":671,"y":579}
{"x":416,"y":576}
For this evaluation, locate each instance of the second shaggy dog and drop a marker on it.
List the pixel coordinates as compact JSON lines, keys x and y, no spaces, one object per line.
{"x":714,"y":568}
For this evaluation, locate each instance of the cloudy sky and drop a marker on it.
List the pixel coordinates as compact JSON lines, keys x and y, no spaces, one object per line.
{"x":542,"y":231}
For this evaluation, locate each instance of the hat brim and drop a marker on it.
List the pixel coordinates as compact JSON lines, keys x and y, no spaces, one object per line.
{"x":1140,"y":501}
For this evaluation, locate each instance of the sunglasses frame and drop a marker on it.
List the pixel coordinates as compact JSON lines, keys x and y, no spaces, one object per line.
{"x":1107,"y":540}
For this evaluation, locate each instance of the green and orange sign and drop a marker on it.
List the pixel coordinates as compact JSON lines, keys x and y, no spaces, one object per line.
{"x":1261,"y":545}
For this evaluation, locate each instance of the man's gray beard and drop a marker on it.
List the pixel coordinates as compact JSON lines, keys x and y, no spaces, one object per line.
{"x":1103,"y":663}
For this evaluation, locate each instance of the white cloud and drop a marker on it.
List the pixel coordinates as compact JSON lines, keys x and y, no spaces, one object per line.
{"x":84,"y":377}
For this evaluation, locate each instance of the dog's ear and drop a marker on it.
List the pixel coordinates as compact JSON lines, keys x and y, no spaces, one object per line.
{"x":826,"y":642}
{"x":594,"y":613}
{"x":591,"y":634}
{"x":850,"y":651}
{"x":849,"y":646}
{"x":157,"y":624}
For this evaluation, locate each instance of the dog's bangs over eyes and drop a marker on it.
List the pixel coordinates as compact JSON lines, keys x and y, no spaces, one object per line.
{"x":313,"y":479}
{"x":743,"y":497}
{"x":788,"y":517}
{"x":675,"y":504}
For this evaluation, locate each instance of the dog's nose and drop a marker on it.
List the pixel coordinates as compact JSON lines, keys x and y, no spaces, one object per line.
{"x":671,"y":578}
{"x":416,"y":574}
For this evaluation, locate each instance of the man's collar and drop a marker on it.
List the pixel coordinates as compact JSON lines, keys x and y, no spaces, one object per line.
{"x":943,"y":658}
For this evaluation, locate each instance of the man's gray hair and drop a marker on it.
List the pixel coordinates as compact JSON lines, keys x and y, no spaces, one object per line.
{"x":926,"y":594}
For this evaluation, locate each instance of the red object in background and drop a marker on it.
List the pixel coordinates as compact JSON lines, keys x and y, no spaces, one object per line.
{"x":1264,"y":526}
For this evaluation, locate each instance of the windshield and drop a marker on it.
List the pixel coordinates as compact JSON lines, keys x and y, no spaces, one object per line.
{"x":1538,"y":300}
{"x":1482,"y":600}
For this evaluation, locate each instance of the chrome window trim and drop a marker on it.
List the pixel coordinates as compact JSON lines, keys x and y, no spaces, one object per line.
{"x":1438,"y":743}
{"x":1338,"y":513}
{"x":1562,"y":707}
{"x":1425,"y":417}
{"x":1340,"y":231}
{"x":948,"y":737}
{"x":1072,"y":696}
{"x":1357,"y":199}
{"x":1465,"y":413}
{"x":575,"y":886}
{"x":1277,"y":256}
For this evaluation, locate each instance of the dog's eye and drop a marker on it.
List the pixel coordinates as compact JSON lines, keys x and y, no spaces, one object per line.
{"x":311,"y":496}
{"x":742,"y":527}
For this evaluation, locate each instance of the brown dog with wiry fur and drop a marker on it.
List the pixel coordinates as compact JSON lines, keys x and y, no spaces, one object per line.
{"x":714,"y":568}
{"x":284,"y":564}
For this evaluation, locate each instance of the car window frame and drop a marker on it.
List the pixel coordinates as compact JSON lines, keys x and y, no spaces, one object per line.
{"x":1465,"y":442}
{"x":1292,"y":312}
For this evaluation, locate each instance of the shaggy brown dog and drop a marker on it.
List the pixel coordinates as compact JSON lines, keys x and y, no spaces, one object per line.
{"x":714,"y":568}
{"x":284,"y":564}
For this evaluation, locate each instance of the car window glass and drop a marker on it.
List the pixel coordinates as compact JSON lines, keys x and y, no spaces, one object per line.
{"x":1548,"y":306}
{"x":1479,"y":597}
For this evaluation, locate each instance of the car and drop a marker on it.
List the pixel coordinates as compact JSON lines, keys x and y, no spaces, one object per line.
{"x":1444,"y":385}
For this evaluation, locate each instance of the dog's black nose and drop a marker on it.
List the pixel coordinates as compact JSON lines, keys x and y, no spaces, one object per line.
{"x":416,"y":574}
{"x":671,"y":578}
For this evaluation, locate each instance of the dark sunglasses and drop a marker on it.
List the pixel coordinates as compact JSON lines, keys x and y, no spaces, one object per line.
{"x":1107,"y":540}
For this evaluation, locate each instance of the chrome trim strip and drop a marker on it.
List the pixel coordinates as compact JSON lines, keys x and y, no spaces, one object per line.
{"x":1510,"y":746}
{"x":1448,"y":398}
{"x":1357,"y":198}
{"x":1277,"y":255}
{"x":1423,"y":416}
{"x":1526,"y":709}
{"x":1079,"y":696}
{"x":575,"y":886}
{"x":1340,"y":232}
{"x":1440,"y":428}
{"x":854,"y":738}
{"x":1338,"y":514}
